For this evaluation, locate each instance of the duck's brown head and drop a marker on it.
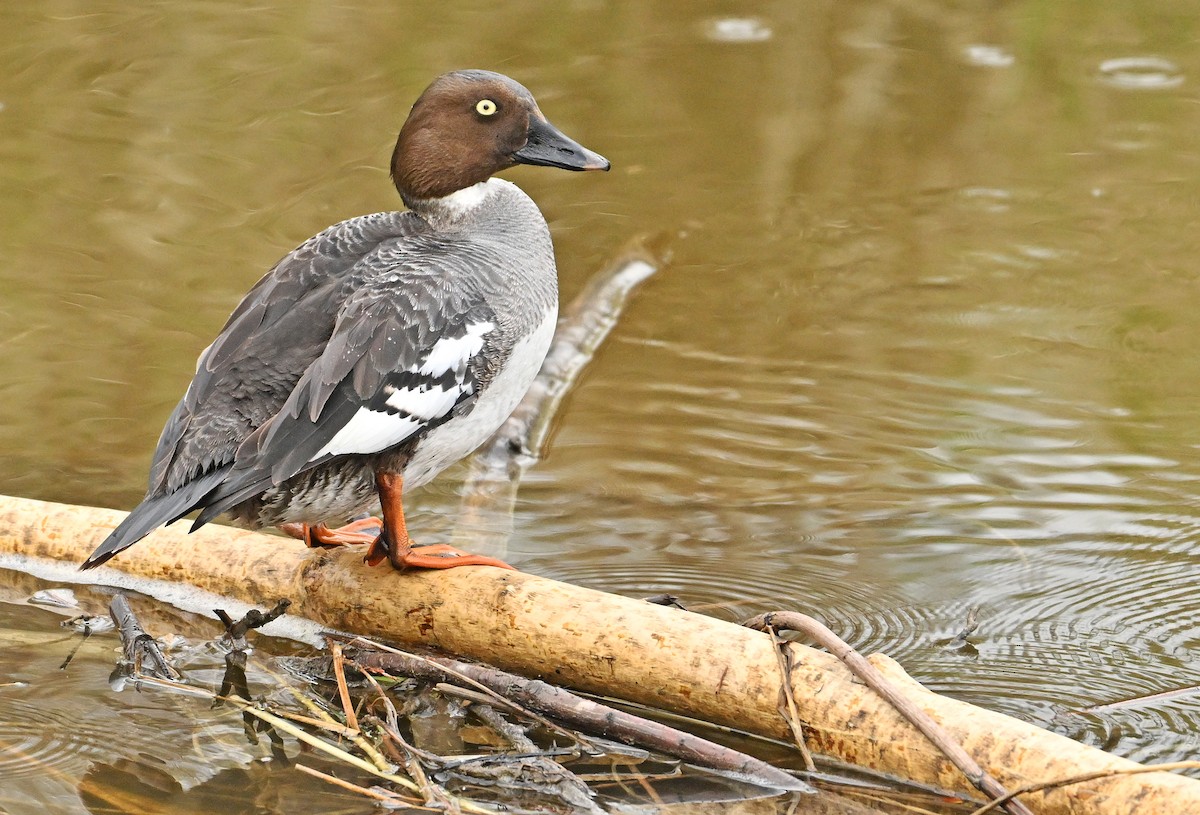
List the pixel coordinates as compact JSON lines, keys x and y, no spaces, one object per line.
{"x":469,"y":125}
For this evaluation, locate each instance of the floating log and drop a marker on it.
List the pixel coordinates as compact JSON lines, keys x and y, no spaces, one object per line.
{"x":662,"y":657}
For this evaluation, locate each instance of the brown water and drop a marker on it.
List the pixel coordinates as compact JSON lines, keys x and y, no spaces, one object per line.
{"x":928,"y":339}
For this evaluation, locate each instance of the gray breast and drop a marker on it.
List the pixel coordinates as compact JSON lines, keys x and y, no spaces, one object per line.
{"x":512,"y":265}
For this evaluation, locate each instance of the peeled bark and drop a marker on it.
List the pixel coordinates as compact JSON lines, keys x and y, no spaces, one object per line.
{"x":658,"y":656}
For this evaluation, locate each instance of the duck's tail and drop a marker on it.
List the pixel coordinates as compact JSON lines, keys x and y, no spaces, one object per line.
{"x":154,"y":512}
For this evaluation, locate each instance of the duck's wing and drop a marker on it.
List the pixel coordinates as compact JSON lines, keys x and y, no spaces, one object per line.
{"x":404,"y":357}
{"x":251,"y":369}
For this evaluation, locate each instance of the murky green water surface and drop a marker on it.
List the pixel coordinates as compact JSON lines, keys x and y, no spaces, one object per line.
{"x":928,"y":339}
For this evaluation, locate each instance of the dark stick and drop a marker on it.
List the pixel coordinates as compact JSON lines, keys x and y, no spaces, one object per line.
{"x":236,"y":631}
{"x":787,"y":705}
{"x":591,"y":717}
{"x":142,"y":656}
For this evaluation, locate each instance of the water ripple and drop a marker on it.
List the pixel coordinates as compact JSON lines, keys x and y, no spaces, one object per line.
{"x":886,"y":501}
{"x":35,"y":740}
{"x":867,"y":616}
{"x":1141,"y":73}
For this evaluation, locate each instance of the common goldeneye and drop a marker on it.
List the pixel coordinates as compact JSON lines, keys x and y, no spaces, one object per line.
{"x":381,"y":350}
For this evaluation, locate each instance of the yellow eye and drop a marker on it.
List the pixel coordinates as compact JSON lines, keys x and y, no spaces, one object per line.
{"x":485,"y":107}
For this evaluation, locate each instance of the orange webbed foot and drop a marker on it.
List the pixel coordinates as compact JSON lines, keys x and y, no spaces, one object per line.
{"x":364,"y":530}
{"x":394,"y":544}
{"x":437,"y":556}
{"x":441,"y":556}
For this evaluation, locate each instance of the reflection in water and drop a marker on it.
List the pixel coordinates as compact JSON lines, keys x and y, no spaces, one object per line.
{"x":55,"y":724}
{"x":129,"y":786}
{"x":927,"y":340}
{"x":147,"y":787}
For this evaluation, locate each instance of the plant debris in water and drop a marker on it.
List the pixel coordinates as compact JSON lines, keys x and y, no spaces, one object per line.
{"x":405,"y":730}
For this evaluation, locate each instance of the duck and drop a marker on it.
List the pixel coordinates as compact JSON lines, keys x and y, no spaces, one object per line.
{"x":381,"y":350}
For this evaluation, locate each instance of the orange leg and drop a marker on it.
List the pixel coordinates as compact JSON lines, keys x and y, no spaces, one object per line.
{"x":394,"y":544}
{"x":319,"y":535}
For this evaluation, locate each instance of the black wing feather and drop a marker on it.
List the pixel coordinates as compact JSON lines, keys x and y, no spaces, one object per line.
{"x":278,"y":328}
{"x":152,"y":513}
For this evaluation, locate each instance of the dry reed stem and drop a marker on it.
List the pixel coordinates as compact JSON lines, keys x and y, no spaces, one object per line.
{"x":788,"y":708}
{"x":339,"y":673}
{"x":383,"y":796}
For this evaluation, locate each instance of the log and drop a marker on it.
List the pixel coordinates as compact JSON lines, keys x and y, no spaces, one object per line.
{"x":654,"y":655}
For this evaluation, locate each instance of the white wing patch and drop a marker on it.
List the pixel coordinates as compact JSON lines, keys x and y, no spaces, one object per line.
{"x":454,"y":352}
{"x":370,"y":431}
{"x":415,"y":406}
{"x":424,"y":402}
{"x":449,"y":442}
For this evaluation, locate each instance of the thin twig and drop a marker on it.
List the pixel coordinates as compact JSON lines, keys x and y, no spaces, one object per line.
{"x":393,"y":721}
{"x":868,"y":673}
{"x":991,"y":806}
{"x":320,"y":744}
{"x":354,"y":734}
{"x":435,"y":795}
{"x":306,"y":701}
{"x":337,"y":728}
{"x":1147,"y":698}
{"x":788,"y":706}
{"x":85,"y":625}
{"x":391,"y":724}
{"x":324,"y":720}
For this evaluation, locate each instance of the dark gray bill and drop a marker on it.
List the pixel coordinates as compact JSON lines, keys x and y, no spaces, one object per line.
{"x":546,"y":146}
